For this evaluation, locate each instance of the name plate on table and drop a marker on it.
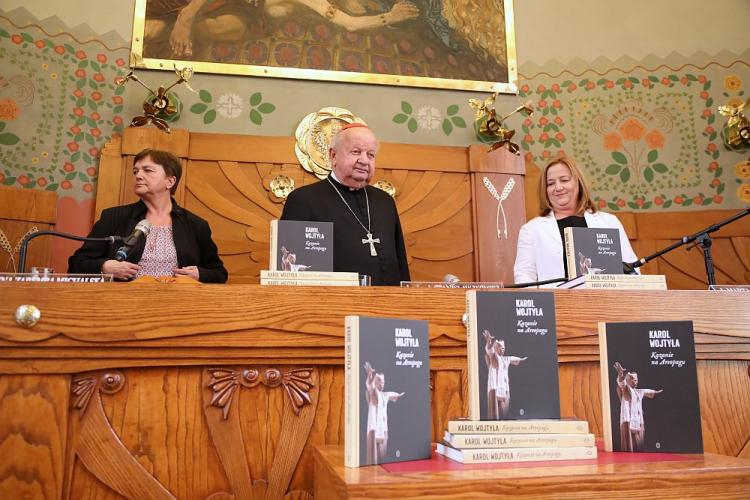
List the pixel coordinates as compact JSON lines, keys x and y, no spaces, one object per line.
{"x":54,"y":278}
{"x":730,"y":288}
{"x":474,"y":285}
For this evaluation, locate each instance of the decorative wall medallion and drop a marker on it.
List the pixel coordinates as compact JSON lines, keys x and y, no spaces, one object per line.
{"x":314,"y":135}
{"x":281,"y":186}
{"x":224,"y":383}
{"x":387,"y":187}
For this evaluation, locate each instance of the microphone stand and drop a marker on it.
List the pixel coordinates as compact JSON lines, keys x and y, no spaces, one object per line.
{"x":702,"y":238}
{"x":26,"y":240}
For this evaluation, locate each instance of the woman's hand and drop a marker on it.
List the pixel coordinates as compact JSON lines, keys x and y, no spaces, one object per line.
{"x":120,"y":270}
{"x":189,"y":271}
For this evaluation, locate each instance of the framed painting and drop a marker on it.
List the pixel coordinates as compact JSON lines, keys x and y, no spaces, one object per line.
{"x":451,"y":44}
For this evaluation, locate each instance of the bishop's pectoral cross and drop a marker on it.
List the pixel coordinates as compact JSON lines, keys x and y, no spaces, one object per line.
{"x":372,"y":242}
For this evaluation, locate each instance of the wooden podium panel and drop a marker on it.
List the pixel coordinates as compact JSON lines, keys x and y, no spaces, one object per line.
{"x":158,"y":390}
{"x":694,"y":476}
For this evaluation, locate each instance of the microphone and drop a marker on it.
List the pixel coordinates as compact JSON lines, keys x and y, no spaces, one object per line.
{"x":141,"y":230}
{"x":25,"y":243}
{"x":451,"y":279}
{"x":630,"y":267}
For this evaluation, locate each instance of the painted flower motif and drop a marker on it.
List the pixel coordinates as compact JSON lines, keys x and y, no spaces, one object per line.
{"x":8,"y":110}
{"x":632,"y":129}
{"x":743,"y":192}
{"x":612,"y":141}
{"x":229,"y":105}
{"x":733,"y":83}
{"x":429,"y":117}
{"x":742,"y":169}
{"x":655,"y":139}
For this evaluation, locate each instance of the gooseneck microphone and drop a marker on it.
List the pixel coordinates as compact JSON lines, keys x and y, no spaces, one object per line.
{"x":141,"y":231}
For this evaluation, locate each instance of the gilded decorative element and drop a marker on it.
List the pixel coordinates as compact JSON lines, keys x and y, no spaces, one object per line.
{"x":314,"y":135}
{"x":224,"y":382}
{"x":500,"y":197}
{"x":109,"y":382}
{"x":281,"y":186}
{"x":27,"y":315}
{"x":387,"y":187}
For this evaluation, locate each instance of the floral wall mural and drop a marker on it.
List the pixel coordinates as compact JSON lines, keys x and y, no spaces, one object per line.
{"x":649,"y":141}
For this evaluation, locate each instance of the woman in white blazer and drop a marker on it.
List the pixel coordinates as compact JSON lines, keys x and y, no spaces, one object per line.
{"x":564,"y":202}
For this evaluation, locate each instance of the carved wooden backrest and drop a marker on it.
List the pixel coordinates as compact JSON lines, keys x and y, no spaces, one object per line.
{"x":23,"y":211}
{"x":460,"y":208}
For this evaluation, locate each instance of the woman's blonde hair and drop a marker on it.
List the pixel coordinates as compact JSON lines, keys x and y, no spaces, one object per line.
{"x":584,"y":198}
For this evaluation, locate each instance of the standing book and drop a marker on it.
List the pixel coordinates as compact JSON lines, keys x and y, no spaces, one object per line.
{"x":301,"y":246}
{"x":512,"y":356}
{"x":649,"y":385}
{"x":387,"y":391}
{"x":591,"y":250}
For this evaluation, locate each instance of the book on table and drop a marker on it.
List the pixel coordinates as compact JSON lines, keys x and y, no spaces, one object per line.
{"x":387,"y":391}
{"x":591,"y":250}
{"x":512,"y":356}
{"x":301,"y":246}
{"x":650,"y":400}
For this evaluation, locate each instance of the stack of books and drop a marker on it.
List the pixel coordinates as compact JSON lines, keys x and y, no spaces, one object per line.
{"x":617,"y":282}
{"x":475,"y":441}
{"x":309,"y":278}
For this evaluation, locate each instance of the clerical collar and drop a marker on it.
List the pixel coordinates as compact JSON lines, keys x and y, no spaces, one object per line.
{"x":332,"y":175}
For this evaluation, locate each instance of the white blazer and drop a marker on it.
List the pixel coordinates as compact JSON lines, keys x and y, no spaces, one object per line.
{"x":539,"y":255}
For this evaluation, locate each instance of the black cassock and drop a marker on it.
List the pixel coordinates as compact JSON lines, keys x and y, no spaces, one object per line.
{"x":319,"y":202}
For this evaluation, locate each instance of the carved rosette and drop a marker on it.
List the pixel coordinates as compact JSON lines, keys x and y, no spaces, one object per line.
{"x":224,"y":383}
{"x":109,"y":382}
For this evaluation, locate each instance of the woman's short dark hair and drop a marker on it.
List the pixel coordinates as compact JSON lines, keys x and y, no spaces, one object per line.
{"x":171,"y":164}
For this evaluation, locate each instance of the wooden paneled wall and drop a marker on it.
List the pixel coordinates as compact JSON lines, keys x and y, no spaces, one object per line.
{"x":452,"y":221}
{"x":23,"y":211}
{"x":684,"y":268}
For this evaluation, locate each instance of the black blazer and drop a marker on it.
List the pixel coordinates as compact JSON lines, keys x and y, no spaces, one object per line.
{"x":192,"y":240}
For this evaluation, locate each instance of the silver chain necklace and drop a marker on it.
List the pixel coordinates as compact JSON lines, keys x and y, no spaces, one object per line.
{"x":365,"y":241}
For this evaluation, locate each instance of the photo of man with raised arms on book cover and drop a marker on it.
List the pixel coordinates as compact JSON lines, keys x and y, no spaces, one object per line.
{"x":650,"y":399}
{"x":498,"y":383}
{"x":387,"y":392}
{"x":377,"y":414}
{"x":632,"y":424}
{"x":514,"y":349}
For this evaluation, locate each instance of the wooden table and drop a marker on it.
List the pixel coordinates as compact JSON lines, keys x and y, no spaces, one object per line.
{"x":679,"y":476}
{"x":187,"y":391}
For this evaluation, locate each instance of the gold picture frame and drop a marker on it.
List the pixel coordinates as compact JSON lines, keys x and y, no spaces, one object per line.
{"x":447,"y":44}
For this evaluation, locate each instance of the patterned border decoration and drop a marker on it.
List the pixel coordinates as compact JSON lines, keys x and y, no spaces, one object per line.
{"x":637,"y":137}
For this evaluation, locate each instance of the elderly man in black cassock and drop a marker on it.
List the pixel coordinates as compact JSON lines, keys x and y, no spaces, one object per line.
{"x":367,"y":236}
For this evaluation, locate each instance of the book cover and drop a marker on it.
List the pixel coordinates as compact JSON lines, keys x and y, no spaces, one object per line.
{"x":650,"y":397}
{"x":512,"y":355}
{"x":387,"y":391}
{"x":301,"y":246}
{"x":501,"y":455}
{"x":592,"y":251}
{"x":464,"y":441}
{"x":541,"y":426}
